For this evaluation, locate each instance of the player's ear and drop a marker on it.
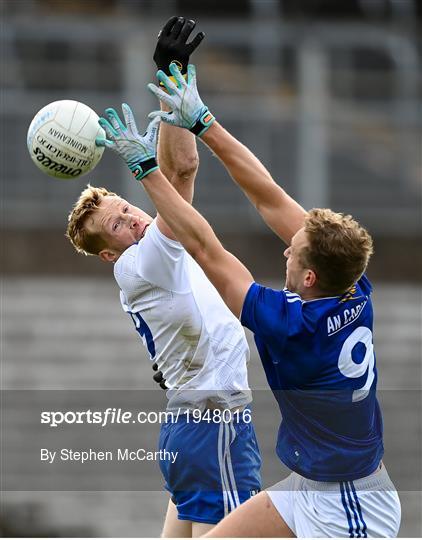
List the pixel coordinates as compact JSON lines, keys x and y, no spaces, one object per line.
{"x":107,"y":255}
{"x":310,"y":278}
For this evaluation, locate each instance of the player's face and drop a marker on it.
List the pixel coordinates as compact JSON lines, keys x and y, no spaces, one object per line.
{"x":295,"y":272}
{"x":119,"y":223}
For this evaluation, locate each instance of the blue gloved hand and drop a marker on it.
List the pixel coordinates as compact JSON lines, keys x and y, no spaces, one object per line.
{"x":138,"y":151}
{"x":187,"y":109}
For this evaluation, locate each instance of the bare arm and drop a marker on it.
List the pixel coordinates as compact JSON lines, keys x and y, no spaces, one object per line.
{"x":229,"y":276}
{"x":279,"y":211}
{"x":178,"y":159}
{"x":177,"y":154}
{"x":284,"y":215}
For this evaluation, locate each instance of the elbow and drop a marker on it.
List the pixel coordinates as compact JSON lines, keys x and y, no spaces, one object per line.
{"x":187,"y":166}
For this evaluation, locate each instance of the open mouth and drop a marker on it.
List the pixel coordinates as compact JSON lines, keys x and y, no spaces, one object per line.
{"x":144,"y":230}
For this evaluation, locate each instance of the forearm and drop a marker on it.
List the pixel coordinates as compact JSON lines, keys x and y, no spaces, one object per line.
{"x":281,"y":213}
{"x":189,"y":227}
{"x":177,"y":154}
{"x":178,"y":158}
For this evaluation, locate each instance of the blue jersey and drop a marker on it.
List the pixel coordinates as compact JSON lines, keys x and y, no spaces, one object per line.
{"x":319,"y":361}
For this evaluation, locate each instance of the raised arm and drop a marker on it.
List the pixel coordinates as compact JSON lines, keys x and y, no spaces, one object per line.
{"x":228,"y":274}
{"x":177,"y":154}
{"x":281,"y":213}
{"x":177,"y":157}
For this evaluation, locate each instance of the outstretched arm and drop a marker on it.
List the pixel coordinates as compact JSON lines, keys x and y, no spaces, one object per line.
{"x":177,"y":157}
{"x":227,"y":273}
{"x":284,"y":215}
{"x":177,"y":154}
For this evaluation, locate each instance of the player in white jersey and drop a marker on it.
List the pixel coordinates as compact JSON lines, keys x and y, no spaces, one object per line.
{"x":314,"y":337}
{"x":191,"y":336}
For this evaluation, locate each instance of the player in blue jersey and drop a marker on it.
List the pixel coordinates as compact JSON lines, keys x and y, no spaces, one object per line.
{"x":314,"y":338}
{"x":197,"y":344}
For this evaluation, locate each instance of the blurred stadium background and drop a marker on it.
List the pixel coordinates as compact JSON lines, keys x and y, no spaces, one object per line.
{"x":326,"y":93}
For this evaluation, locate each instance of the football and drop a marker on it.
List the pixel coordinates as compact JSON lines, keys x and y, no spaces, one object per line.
{"x":61,"y":139}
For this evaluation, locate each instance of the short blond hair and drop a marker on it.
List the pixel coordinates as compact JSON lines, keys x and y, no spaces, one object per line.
{"x":338,"y":249}
{"x":83,"y":240}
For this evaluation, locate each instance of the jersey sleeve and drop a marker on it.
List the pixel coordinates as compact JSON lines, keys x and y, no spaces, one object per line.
{"x":162,"y":261}
{"x":265,"y":313}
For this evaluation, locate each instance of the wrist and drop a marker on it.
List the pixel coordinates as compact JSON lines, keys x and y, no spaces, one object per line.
{"x":203,"y":123}
{"x":212,"y":134}
{"x":142,"y":168}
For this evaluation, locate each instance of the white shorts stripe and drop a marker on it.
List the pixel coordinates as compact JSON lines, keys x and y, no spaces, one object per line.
{"x":221,"y":465}
{"x":228,"y":480}
{"x":230,"y":466}
{"x":225,"y":442}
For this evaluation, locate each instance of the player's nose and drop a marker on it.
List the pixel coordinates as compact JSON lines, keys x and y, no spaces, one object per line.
{"x":134,"y":222}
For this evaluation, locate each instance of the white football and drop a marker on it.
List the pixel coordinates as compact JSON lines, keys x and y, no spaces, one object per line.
{"x":61,"y":139}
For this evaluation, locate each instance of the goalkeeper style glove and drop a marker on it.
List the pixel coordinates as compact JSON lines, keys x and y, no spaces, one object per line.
{"x":138,"y":151}
{"x":172,"y":46}
{"x":186,"y":107}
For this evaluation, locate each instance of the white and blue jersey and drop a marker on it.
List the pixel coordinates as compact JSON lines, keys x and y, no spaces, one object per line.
{"x":197,"y":343}
{"x":319,"y":360}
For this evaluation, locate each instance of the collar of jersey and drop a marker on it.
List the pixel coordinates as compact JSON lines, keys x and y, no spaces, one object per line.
{"x":313,"y":299}
{"x":323,"y":298}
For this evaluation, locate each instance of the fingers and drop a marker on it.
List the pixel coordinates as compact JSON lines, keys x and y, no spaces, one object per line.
{"x":191,"y":77}
{"x":114,"y":120}
{"x":152,"y":129}
{"x":129,"y":118}
{"x":165,"y":31}
{"x":177,"y":27}
{"x":195,"y":42}
{"x":175,"y":71}
{"x":154,"y":122}
{"x":158,"y":378}
{"x":101,"y":141}
{"x":166,"y":81}
{"x":165,"y":116}
{"x":187,"y":30}
{"x":160,"y":94}
{"x":108,"y":128}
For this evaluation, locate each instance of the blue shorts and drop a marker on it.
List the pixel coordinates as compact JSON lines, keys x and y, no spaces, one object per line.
{"x":217,"y":466}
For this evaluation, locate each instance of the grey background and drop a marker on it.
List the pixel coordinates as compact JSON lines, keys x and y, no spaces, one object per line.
{"x":327,"y":94}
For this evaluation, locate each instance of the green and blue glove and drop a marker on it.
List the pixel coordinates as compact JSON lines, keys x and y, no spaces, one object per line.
{"x":187,"y":109}
{"x":138,"y":151}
